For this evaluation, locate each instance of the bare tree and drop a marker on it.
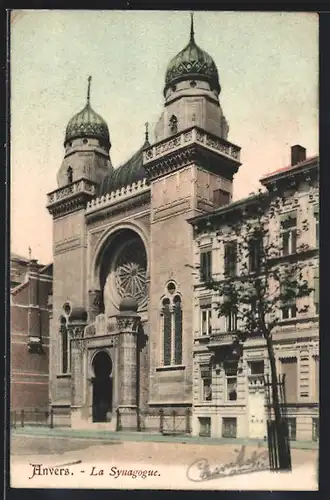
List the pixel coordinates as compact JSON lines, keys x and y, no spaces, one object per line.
{"x":264,"y":277}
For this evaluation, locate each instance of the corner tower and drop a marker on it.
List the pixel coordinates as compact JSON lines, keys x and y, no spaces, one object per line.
{"x":86,"y":163}
{"x":87,"y":145}
{"x":191,"y":92}
{"x":190,"y":170}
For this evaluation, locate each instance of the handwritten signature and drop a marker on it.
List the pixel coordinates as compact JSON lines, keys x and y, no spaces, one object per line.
{"x":200,"y":470}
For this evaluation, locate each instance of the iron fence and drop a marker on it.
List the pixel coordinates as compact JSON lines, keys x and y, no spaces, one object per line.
{"x":164,"y":421}
{"x":39,"y":417}
{"x":277,"y":430}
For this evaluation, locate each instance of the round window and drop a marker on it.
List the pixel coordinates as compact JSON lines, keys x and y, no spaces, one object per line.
{"x":171,"y":287}
{"x":130,"y":271}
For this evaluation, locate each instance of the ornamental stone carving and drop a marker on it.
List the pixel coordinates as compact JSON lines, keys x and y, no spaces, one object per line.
{"x":76,"y":332}
{"x":129,"y":324}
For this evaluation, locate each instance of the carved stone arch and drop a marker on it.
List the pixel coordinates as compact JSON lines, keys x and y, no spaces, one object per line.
{"x":105,"y":241}
{"x":94,"y":355}
{"x":161,"y":302}
{"x":121,"y":265}
{"x":180,"y":296}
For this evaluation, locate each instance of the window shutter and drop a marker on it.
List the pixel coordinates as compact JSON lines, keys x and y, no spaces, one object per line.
{"x":202,"y":265}
{"x":316,"y":374}
{"x":210,"y":265}
{"x":226,"y":258}
{"x":316,"y":285}
{"x":289,"y":369}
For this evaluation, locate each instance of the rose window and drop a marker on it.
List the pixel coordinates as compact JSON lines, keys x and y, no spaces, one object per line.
{"x":130,"y":271}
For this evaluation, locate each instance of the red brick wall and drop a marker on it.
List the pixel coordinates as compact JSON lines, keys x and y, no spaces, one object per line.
{"x":29,"y":371}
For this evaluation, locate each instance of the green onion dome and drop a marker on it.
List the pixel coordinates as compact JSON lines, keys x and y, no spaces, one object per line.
{"x":87,"y":123}
{"x":192,"y":63}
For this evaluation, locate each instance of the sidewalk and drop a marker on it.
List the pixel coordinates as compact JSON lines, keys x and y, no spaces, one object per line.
{"x":104,"y":435}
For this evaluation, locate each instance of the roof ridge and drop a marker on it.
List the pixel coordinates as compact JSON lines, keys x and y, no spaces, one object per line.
{"x":290,"y":167}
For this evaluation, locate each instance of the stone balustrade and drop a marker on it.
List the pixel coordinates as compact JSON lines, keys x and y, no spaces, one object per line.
{"x":221,"y":339}
{"x":255,"y":381}
{"x":190,"y":136}
{"x":81,"y":186}
{"x":116,"y":196}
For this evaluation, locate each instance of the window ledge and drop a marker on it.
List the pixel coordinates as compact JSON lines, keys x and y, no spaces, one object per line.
{"x":202,"y":337}
{"x":170,"y":368}
{"x":298,"y":320}
{"x":288,"y":321}
{"x":63,"y":375}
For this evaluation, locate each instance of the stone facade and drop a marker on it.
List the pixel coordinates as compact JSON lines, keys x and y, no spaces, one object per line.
{"x":124,"y":324}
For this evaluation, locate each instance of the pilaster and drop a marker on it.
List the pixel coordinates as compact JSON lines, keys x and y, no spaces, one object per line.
{"x":127,"y":323}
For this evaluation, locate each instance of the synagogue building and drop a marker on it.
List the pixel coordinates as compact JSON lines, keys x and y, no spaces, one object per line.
{"x":133,"y":330}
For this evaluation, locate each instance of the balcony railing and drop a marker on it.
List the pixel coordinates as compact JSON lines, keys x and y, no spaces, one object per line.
{"x":81,"y":186}
{"x":134,"y":189}
{"x":255,"y":381}
{"x":190,"y":136}
{"x":219,"y":339}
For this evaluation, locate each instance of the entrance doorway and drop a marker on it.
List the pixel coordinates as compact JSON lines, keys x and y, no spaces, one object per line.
{"x":102,"y":386}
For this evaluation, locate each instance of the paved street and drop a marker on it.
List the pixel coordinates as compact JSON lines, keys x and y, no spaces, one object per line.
{"x":55,"y":451}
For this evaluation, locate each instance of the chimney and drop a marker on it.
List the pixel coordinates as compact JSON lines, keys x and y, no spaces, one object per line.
{"x":298,"y":154}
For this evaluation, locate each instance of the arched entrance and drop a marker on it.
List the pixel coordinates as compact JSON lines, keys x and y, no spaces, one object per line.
{"x":102,"y":386}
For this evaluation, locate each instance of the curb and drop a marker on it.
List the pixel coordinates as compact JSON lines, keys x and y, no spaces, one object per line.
{"x":146,"y":437}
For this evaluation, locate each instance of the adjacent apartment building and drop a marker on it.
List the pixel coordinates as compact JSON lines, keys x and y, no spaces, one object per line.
{"x":228,"y":396}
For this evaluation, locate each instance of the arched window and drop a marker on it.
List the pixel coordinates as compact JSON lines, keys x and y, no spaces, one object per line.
{"x":65,"y":346}
{"x":173,"y":124}
{"x":171,"y":314}
{"x":177,"y":330}
{"x":167,"y":331}
{"x":69,"y":174}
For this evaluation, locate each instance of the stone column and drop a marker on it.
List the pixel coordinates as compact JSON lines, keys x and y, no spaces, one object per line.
{"x":127,"y":323}
{"x":77,"y":375}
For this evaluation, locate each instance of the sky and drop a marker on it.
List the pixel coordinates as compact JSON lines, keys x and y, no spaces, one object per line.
{"x":268,"y":69}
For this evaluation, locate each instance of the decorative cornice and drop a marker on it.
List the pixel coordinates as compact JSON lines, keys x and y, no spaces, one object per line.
{"x":121,"y":206}
{"x":191,"y":145}
{"x":70,"y":198}
{"x":117,"y":196}
{"x":290,"y":178}
{"x":104,"y":341}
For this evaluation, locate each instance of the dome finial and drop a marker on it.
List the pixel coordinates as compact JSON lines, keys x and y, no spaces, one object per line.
{"x":147,"y":131}
{"x":192,"y":33}
{"x":89,"y":89}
